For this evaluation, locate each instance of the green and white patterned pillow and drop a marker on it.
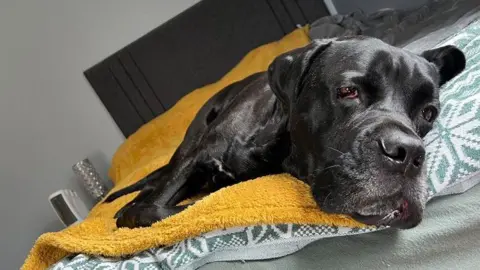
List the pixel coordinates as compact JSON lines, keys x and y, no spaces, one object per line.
{"x":453,"y":154}
{"x":453,"y":146}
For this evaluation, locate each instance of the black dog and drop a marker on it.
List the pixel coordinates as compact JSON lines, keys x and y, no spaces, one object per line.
{"x":346,"y":116}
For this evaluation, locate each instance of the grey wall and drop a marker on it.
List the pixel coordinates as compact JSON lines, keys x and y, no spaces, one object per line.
{"x":49,"y":116}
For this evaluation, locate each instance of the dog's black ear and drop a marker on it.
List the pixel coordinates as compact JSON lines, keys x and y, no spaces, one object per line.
{"x":449,"y":60}
{"x":286,"y":72}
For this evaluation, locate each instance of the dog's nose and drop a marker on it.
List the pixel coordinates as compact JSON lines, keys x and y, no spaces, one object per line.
{"x":406,"y":152}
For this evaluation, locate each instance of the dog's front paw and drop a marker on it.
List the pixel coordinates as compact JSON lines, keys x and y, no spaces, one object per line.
{"x":143,"y":215}
{"x":135,"y":218}
{"x":128,"y":221}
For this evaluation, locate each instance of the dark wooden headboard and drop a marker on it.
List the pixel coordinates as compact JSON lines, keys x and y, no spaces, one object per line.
{"x":195,"y":48}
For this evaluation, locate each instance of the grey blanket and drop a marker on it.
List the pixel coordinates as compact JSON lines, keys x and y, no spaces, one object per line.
{"x":404,"y":28}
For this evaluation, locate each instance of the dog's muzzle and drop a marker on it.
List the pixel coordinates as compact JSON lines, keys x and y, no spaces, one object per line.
{"x":383,"y":181}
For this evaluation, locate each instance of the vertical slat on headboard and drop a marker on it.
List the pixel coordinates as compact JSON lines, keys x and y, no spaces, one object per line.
{"x":312,"y":9}
{"x":141,"y":83}
{"x":114,"y":98}
{"x":296,"y":12}
{"x":282,"y":16}
{"x":124,"y":80}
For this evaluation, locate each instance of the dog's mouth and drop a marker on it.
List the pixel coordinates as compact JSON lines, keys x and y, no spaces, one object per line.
{"x":372,"y":199}
{"x":396,"y":217}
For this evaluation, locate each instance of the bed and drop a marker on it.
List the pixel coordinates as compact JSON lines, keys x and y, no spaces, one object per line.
{"x":132,"y":85}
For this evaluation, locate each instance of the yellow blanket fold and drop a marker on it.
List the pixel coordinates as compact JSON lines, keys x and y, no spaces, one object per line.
{"x":266,"y":200}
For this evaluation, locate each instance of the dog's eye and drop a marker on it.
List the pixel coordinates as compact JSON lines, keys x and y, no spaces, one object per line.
{"x":429,"y":113}
{"x":347,"y":92}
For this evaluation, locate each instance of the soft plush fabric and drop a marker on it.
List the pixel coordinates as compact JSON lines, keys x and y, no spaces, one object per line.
{"x":288,"y":199}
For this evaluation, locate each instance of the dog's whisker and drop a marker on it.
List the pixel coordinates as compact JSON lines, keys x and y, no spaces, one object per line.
{"x":326,"y":198}
{"x":387,"y":219}
{"x":336,"y":150}
{"x":327,"y":168}
{"x":318,"y":171}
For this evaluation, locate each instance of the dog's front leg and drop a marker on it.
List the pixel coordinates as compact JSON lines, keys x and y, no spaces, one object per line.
{"x":182,"y":180}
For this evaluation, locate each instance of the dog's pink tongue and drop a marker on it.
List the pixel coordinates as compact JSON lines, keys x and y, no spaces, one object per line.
{"x":404,"y":209}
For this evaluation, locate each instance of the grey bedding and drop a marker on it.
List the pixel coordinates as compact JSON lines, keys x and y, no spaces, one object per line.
{"x":448,"y":238}
{"x":415,"y":29}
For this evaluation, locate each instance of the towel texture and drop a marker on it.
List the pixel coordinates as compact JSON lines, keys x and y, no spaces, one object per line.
{"x":288,"y":200}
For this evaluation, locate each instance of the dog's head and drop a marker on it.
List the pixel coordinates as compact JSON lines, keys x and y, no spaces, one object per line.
{"x":358,"y":110}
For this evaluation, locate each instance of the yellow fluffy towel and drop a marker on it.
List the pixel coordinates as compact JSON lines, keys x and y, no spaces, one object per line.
{"x":266,"y":200}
